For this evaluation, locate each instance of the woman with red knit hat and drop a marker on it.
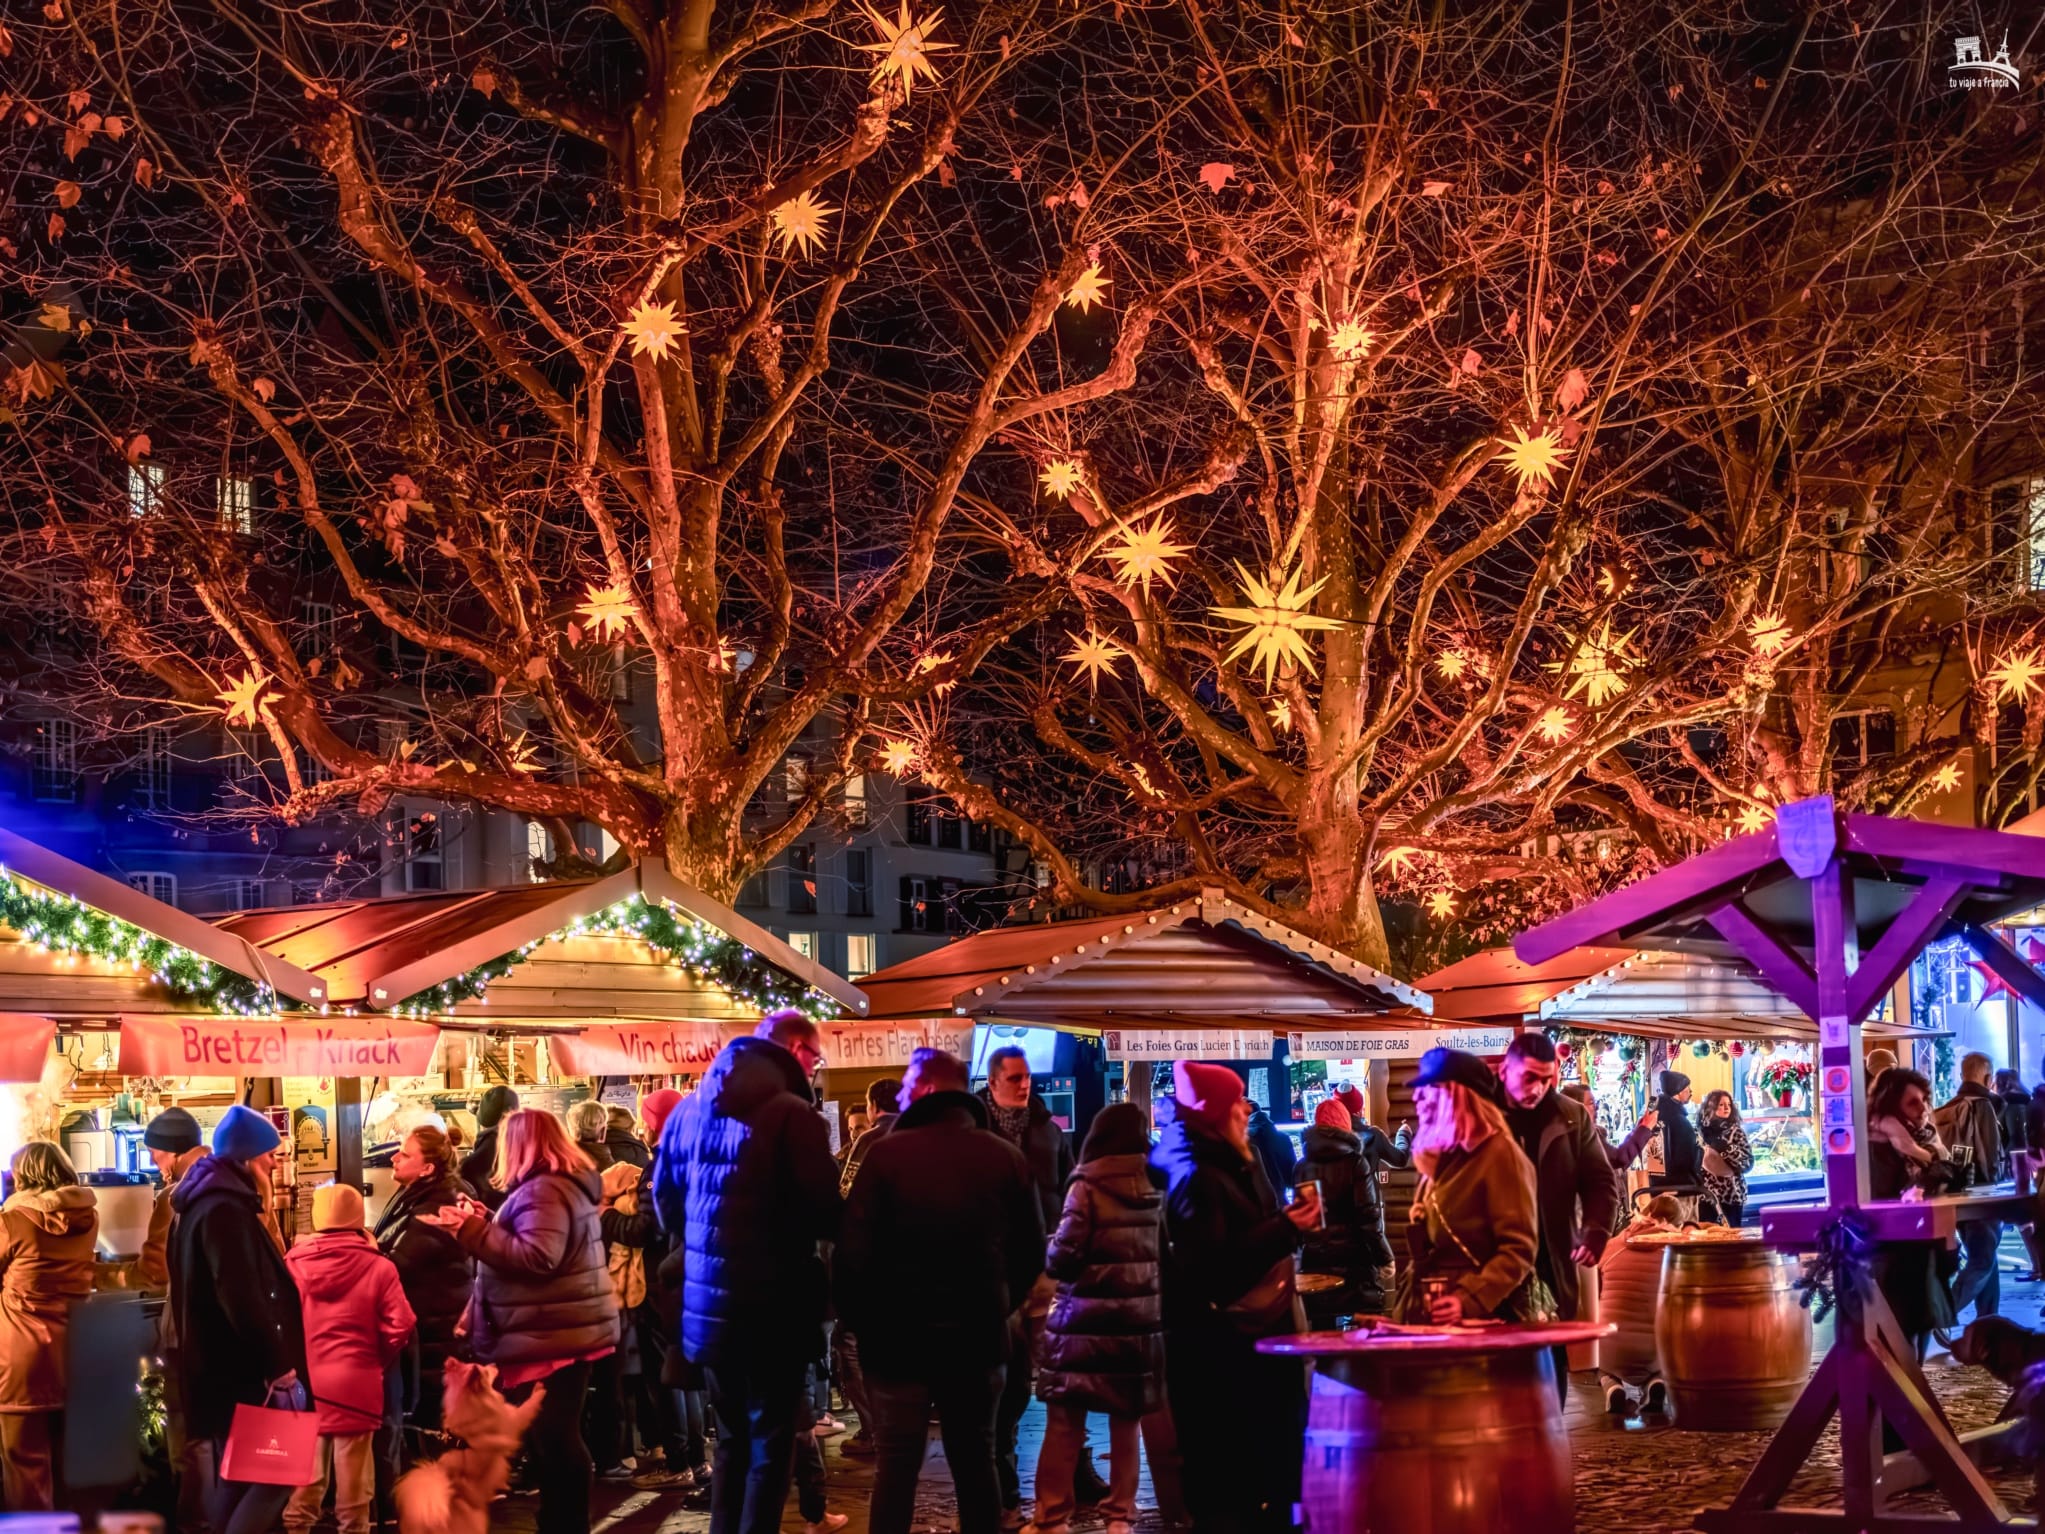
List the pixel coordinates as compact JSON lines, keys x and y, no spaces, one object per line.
{"x":1342,"y":1154}
{"x":1239,"y":1413}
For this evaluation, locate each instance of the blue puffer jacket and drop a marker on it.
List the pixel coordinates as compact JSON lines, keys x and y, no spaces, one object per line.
{"x":745,"y":1174}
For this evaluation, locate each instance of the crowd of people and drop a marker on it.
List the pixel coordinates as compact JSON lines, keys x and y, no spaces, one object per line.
{"x":679,"y":1288}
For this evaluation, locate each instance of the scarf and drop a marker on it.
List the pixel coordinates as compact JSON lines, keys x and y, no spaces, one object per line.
{"x":1009,"y":1123}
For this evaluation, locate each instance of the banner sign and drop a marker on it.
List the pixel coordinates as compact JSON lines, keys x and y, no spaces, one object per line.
{"x":24,"y":1044}
{"x":1398,"y":1043}
{"x":638,"y":1049}
{"x":861,"y":1046}
{"x":1188,"y":1043}
{"x":342,"y":1046}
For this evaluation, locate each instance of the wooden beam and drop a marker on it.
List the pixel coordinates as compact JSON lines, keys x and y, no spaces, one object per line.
{"x":1709,"y":879}
{"x":1842,"y":1117}
{"x":1908,"y":1408}
{"x":1782,"y":966}
{"x":1994,"y":951}
{"x":1915,"y":925}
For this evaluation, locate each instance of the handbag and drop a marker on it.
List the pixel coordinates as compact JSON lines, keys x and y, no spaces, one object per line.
{"x":1270,"y":1306}
{"x":1532,"y":1302}
{"x":1716,"y":1165}
{"x":272,"y":1446}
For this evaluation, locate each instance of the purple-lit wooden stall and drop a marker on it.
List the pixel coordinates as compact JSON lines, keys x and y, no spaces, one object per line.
{"x":1832,"y":909}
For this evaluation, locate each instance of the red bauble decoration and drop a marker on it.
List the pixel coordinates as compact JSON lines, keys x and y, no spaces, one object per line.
{"x":1564,"y":1050}
{"x":1737,"y":1047}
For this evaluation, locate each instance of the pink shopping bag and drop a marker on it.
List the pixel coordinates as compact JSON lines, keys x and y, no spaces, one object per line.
{"x":272,"y":1447}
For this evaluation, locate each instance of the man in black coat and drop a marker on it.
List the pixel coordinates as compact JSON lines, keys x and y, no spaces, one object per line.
{"x":942,"y":1238}
{"x":480,"y":1164}
{"x":746,"y":1181}
{"x":1682,"y":1152}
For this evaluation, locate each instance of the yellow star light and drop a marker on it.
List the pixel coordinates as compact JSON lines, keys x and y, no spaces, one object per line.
{"x":1145,"y":554}
{"x":2017,"y":676}
{"x":1770,"y":634}
{"x":1061,"y":477}
{"x":607,"y":610}
{"x":1597,"y":665}
{"x":1947,"y":778}
{"x":520,"y":755}
{"x":653,"y":329}
{"x":1533,"y":459}
{"x":1349,"y":341}
{"x":932,"y":662}
{"x":1452,"y":664}
{"x":1090,"y":287}
{"x":900,"y":758}
{"x":1753,"y":817}
{"x":1275,"y":622}
{"x":799,"y":223}
{"x":1397,"y":860}
{"x":1554,"y":725}
{"x":1281,"y":714}
{"x":1094,"y":656}
{"x":904,"y":47}
{"x":242,"y":701}
{"x":1441,"y":905}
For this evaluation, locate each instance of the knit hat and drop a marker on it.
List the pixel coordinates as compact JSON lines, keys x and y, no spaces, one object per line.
{"x":1206,"y":1094}
{"x":243,"y":1134}
{"x":496,"y":1102}
{"x":1673,"y":1083}
{"x":1352,"y":1099}
{"x":1333,"y":1113}
{"x":1452,"y":1067}
{"x":338,"y":1207}
{"x":173,"y":1131}
{"x":654,"y":1108}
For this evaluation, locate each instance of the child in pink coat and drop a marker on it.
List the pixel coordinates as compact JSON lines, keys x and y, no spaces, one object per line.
{"x":356,"y":1321}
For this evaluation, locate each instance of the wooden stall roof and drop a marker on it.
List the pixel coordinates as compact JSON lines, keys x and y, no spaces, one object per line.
{"x":1705,"y":990}
{"x":377,"y":952}
{"x":93,"y":989}
{"x":1210,"y":962}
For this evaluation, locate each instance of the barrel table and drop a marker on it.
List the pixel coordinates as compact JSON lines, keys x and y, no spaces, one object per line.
{"x":1735,"y":1342}
{"x":1456,"y":1430}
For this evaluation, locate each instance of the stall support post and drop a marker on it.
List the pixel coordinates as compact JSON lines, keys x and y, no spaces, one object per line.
{"x":1842,"y":1124}
{"x":348,"y":1131}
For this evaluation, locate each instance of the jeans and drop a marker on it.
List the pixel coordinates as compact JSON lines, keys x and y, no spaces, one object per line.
{"x":349,"y":1460}
{"x":1980,"y":1278}
{"x":560,"y":1459}
{"x":243,"y":1507}
{"x":657,"y":1409}
{"x":694,"y":1410}
{"x":845,"y":1364}
{"x":755,"y":1402}
{"x":1064,"y":1442}
{"x":966,"y":1404}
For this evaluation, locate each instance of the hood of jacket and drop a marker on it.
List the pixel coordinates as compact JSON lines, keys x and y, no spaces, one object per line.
{"x":60,"y":1211}
{"x":954,"y":1110}
{"x":1323,"y":1143}
{"x":1124,"y":1179}
{"x":333,"y":1266}
{"x":749,"y":1074}
{"x":214,"y":1178}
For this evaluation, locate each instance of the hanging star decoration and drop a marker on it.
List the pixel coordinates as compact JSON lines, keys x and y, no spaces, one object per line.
{"x":1596,"y":665}
{"x":1281,"y":714}
{"x":520,"y":756}
{"x":931,"y":662}
{"x":1947,"y":778}
{"x":2017,"y":676}
{"x":1061,"y":477}
{"x":1397,"y":861}
{"x":1554,"y":725}
{"x":900,"y":757}
{"x":905,"y":46}
{"x":1452,"y":665}
{"x":1752,"y":818}
{"x":1090,"y":287}
{"x":242,"y":701}
{"x":1094,"y":656}
{"x":608,"y":610}
{"x":1275,"y":622}
{"x":1533,"y":459}
{"x":1770,"y":634}
{"x":799,"y":223}
{"x":1350,"y":342}
{"x":654,"y":328}
{"x":1441,"y":905}
{"x":1992,"y":984}
{"x":1144,"y":554}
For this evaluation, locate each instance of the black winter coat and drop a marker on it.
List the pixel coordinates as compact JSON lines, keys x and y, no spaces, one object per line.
{"x":1682,"y":1155}
{"x":1046,"y":1149}
{"x":434,"y":1271}
{"x":543,"y":1291}
{"x":942,"y":1239}
{"x":1225,"y":1232}
{"x":1274,"y":1149}
{"x":627,"y":1147}
{"x":1345,"y":1164}
{"x":745,"y":1176}
{"x":479,"y":1166}
{"x":237,"y":1310}
{"x":2016,"y":1120}
{"x":1575,"y":1189}
{"x":1104,"y":1342}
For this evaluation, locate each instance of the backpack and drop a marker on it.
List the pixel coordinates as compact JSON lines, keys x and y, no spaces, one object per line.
{"x":1975,"y":1121}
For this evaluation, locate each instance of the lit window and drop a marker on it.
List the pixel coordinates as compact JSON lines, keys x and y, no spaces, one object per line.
{"x":2017,"y":529}
{"x":854,"y":796}
{"x":804,"y":943}
{"x":862,"y":955}
{"x":145,"y":490}
{"x":156,"y":886}
{"x":234,"y":500}
{"x":539,"y":851}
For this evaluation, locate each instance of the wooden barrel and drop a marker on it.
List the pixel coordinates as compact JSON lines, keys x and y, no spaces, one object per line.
{"x":1462,"y":1443}
{"x":1735,"y":1345}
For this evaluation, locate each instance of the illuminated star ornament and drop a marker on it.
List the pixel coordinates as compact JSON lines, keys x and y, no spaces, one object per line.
{"x":1281,"y":715}
{"x":654,"y":328}
{"x":1947,"y":778}
{"x":1769,"y":634}
{"x":1597,"y":665}
{"x":900,"y":757}
{"x":1094,"y":656}
{"x":1554,"y":725}
{"x":1145,"y":554}
{"x":905,"y":47}
{"x":607,"y":610}
{"x":1752,"y":818}
{"x":1533,"y":459}
{"x":1396,"y":860}
{"x":242,"y":701}
{"x":931,"y":662}
{"x":1452,"y":665}
{"x":1090,"y":287}
{"x":799,"y":223}
{"x":1061,"y":477}
{"x":1275,"y":622}
{"x":1349,"y":341}
{"x":2017,"y":676}
{"x":1441,"y":905}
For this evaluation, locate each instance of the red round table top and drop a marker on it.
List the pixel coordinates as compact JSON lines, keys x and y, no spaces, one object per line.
{"x":1438,"y":1339}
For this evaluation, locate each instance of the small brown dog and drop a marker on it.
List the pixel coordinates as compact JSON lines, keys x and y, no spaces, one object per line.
{"x":452,"y":1494}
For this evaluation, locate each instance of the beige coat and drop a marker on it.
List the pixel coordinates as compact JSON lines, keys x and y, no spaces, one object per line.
{"x":46,"y":1244}
{"x":1629,"y":1292}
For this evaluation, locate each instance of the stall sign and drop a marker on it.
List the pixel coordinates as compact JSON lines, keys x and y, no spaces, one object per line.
{"x":1398,"y":1043}
{"x":1188,"y":1043}
{"x":637,"y":1049}
{"x":24,"y":1045}
{"x":344,"y":1046}
{"x":858,"y":1045}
